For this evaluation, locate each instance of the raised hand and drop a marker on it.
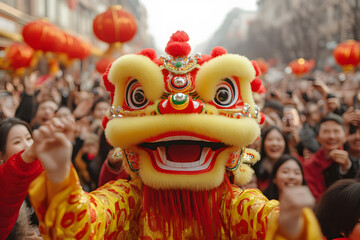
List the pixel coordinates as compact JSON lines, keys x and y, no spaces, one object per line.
{"x":115,"y":158}
{"x":341,"y":157}
{"x":321,"y":87}
{"x":351,"y":116}
{"x":9,"y":104}
{"x":29,"y":83}
{"x":54,"y":148}
{"x":292,"y":201}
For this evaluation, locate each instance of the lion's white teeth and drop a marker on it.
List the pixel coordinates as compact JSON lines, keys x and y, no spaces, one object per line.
{"x":166,"y":164}
{"x":176,"y":138}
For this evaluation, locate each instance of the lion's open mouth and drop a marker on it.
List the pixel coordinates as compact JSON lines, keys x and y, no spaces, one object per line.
{"x":184,"y":153}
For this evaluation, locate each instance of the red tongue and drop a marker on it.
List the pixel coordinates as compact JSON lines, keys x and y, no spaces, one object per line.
{"x":183,"y":153}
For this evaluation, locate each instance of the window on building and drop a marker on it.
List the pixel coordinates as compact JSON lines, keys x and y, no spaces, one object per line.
{"x":336,"y":12}
{"x":287,"y":5}
{"x":63,"y":17}
{"x":11,"y":3}
{"x":51,"y":10}
{"x":323,"y":16}
{"x":350,"y":34}
{"x":40,"y":8}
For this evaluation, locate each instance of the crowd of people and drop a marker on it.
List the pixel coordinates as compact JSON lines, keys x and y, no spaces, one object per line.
{"x":311,"y":137}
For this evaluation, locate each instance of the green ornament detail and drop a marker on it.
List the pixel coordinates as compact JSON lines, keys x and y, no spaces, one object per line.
{"x":178,"y":64}
{"x":177,"y":102}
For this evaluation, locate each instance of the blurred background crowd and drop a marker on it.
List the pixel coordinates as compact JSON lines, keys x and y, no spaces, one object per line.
{"x":307,"y":52}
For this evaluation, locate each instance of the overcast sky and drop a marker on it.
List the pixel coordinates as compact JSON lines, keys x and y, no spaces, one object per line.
{"x":199,"y":18}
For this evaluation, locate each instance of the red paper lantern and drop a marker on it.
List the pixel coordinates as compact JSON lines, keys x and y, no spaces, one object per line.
{"x":272,"y":61}
{"x":19,"y":55}
{"x":4,"y":65}
{"x":264,"y":67}
{"x":347,"y":54}
{"x":41,"y":35}
{"x":103,"y":63}
{"x":301,"y":66}
{"x":115,"y":25}
{"x":75,"y":47}
{"x":65,"y":39}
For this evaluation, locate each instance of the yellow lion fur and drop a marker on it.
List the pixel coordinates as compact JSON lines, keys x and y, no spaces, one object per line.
{"x":141,"y":68}
{"x":126,"y":132}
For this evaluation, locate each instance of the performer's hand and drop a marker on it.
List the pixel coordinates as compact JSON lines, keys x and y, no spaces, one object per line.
{"x":31,"y":235}
{"x":54,"y":148}
{"x":115,"y":158}
{"x":29,"y":155}
{"x":292,"y":201}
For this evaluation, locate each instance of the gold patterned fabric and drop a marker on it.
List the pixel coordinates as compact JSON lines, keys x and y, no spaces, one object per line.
{"x":115,"y":211}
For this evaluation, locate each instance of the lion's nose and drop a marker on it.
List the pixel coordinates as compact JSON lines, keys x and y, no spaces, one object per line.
{"x":180,"y":103}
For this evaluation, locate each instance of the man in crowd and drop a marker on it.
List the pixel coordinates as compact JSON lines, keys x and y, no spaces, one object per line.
{"x":352,"y":123}
{"x":331,"y":162}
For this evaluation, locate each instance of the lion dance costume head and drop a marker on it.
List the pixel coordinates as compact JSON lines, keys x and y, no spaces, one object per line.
{"x":183,"y":123}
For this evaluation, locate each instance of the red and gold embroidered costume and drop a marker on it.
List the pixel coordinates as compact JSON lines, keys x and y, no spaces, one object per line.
{"x":183,"y":123}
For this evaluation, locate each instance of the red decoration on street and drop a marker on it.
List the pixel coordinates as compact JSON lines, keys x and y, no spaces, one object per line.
{"x":77,"y":48}
{"x":272,"y":62}
{"x":347,"y":54}
{"x":67,"y":42}
{"x":301,"y":66}
{"x":103,"y":63}
{"x":19,"y":55}
{"x":115,"y":25}
{"x":42,"y":35}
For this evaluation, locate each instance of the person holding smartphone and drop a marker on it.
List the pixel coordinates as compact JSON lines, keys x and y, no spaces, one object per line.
{"x":352,"y":125}
{"x":8,"y":104}
{"x":331,"y":162}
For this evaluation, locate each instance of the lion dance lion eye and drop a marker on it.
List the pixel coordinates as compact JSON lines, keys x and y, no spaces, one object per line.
{"x":226,"y":93}
{"x":135,"y":97}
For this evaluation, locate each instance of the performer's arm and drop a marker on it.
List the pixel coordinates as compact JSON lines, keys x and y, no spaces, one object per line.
{"x":258,"y":218}
{"x":64,"y":210}
{"x":296,"y":219}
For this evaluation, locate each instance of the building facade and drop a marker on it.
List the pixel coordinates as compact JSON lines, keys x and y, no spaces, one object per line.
{"x":76,"y":18}
{"x":303,"y":28}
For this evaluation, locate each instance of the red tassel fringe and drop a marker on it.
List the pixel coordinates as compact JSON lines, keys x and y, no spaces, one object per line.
{"x":177,"y":210}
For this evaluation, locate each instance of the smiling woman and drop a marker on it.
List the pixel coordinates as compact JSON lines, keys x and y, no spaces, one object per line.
{"x":273,"y":145}
{"x":287,"y":172}
{"x":17,"y":170}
